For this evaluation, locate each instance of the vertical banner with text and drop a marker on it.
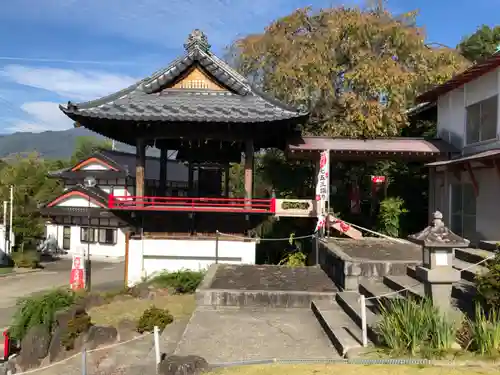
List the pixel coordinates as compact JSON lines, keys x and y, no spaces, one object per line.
{"x":323,"y":186}
{"x":77,"y":278}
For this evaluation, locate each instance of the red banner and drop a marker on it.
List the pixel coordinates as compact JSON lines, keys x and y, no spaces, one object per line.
{"x":77,"y":278}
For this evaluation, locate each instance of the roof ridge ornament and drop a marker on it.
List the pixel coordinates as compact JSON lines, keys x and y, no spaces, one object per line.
{"x":197,"y":38}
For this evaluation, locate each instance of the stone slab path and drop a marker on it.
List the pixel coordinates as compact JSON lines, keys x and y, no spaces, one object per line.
{"x":232,"y":334}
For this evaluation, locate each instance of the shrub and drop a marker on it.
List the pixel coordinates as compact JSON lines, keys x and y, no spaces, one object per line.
{"x":154,"y":316}
{"x":26,"y":259}
{"x":483,"y":332}
{"x":408,"y":326}
{"x":183,"y":281}
{"x":295,"y":259}
{"x":39,"y":309}
{"x":488,"y":284}
{"x":76,"y":326}
{"x":391,"y":210}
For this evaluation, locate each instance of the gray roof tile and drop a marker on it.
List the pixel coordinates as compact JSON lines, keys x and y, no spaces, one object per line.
{"x":151,"y":100}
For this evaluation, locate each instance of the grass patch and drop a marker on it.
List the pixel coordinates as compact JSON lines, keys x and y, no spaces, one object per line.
{"x":183,"y":281}
{"x":6,"y":270}
{"x":132,"y":308}
{"x":318,"y":369}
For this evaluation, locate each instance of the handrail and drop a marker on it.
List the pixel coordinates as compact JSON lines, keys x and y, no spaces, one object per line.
{"x":192,"y":203}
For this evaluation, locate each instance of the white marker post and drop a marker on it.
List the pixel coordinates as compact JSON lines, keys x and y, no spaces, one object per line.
{"x":156,"y":334}
{"x":364,"y":328}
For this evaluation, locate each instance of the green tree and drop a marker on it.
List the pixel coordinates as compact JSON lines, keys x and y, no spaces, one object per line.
{"x":482,"y":44}
{"x":356,"y":70}
{"x":32,"y":186}
{"x":86,"y":146}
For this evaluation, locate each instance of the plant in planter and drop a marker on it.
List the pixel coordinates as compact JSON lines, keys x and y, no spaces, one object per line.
{"x":26,"y":259}
{"x":152,"y":317}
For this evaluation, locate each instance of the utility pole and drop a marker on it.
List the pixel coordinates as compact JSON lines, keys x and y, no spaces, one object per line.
{"x":11,"y":232}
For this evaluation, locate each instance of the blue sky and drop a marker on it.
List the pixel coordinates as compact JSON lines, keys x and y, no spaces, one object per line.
{"x":52,"y":51}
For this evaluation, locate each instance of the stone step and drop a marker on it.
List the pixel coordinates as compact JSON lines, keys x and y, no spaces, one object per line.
{"x":346,"y":337}
{"x":489,"y":245}
{"x":468,"y":270}
{"x":471,"y":255}
{"x":409,"y":286}
{"x":350,"y":303}
{"x":376,"y":288}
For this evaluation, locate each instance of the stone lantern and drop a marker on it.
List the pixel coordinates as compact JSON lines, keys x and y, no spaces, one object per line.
{"x":437,"y":272}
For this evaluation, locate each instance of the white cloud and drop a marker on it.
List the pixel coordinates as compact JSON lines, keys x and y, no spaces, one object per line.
{"x":164,"y":22}
{"x":42,"y":116}
{"x":67,"y":83}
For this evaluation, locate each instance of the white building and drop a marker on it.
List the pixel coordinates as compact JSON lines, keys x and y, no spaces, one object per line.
{"x":114,"y":171}
{"x":465,"y":188}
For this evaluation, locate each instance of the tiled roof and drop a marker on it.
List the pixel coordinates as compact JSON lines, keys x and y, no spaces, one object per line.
{"x":151,"y":100}
{"x":470,"y":74}
{"x":125,"y":162}
{"x":377,"y":145}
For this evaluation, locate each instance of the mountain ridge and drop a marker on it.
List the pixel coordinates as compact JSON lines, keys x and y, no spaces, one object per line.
{"x":51,"y":144}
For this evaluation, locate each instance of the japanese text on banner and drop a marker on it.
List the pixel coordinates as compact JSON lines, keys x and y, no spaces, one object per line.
{"x":323,"y":180}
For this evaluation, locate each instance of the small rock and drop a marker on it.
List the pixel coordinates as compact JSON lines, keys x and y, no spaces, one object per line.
{"x":127,"y":329}
{"x":93,"y":300}
{"x":63,"y":317}
{"x":183,"y":365}
{"x":99,"y":335}
{"x":34,"y":347}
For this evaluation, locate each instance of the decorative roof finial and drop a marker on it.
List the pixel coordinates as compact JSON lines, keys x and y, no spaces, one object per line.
{"x":197,"y":38}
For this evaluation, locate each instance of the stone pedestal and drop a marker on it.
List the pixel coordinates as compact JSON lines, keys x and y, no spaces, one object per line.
{"x":437,"y":272}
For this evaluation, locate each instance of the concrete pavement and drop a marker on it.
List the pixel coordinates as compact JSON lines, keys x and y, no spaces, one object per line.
{"x":105,"y":276}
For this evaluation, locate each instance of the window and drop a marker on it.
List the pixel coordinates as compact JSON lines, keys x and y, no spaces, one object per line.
{"x":481,"y":122}
{"x":107,"y":236}
{"x":463,"y":210}
{"x":87,"y":235}
{"x":104,"y":236}
{"x":66,"y":238}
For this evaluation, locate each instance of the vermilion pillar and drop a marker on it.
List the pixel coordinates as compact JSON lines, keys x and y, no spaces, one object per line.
{"x":139,"y":167}
{"x":249,"y":158}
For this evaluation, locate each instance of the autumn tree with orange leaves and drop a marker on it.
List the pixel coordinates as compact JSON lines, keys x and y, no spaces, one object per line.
{"x":356,"y":70}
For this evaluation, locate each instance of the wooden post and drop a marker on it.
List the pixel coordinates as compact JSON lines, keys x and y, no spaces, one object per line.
{"x":139,"y":169}
{"x":163,"y":172}
{"x":249,"y":151}
{"x":226,"y":181}
{"x":127,"y":239}
{"x":190,"y":179}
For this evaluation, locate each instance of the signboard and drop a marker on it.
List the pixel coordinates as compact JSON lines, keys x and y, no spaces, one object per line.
{"x":77,"y":278}
{"x":323,"y":181}
{"x":323,"y":178}
{"x":378,"y":179}
{"x":296,"y":207}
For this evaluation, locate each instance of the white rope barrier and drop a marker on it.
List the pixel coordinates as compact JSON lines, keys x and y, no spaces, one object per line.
{"x":362,"y":299}
{"x":79,"y":354}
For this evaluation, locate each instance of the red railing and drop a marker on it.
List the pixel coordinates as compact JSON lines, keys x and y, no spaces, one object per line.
{"x":192,"y":204}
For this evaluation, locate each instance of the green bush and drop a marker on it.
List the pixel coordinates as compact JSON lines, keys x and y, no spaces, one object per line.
{"x":154,"y":317}
{"x":294,"y":259}
{"x":488,"y":284}
{"x":26,"y":259}
{"x":483,"y":332}
{"x":389,"y":215}
{"x":411,"y":327}
{"x":183,"y":281}
{"x":76,"y":326}
{"x":39,"y":309}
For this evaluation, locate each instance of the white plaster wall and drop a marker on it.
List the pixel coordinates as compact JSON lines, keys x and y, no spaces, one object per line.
{"x":149,"y":256}
{"x":76,"y":201}
{"x":451,"y":107}
{"x":488,"y":204}
{"x":94,"y":167}
{"x":96,"y":249}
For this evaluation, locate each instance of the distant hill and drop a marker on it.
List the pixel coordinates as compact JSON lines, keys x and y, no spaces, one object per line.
{"x":50,"y":144}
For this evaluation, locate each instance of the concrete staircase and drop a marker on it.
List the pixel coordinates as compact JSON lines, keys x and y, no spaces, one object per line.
{"x":347,"y":338}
